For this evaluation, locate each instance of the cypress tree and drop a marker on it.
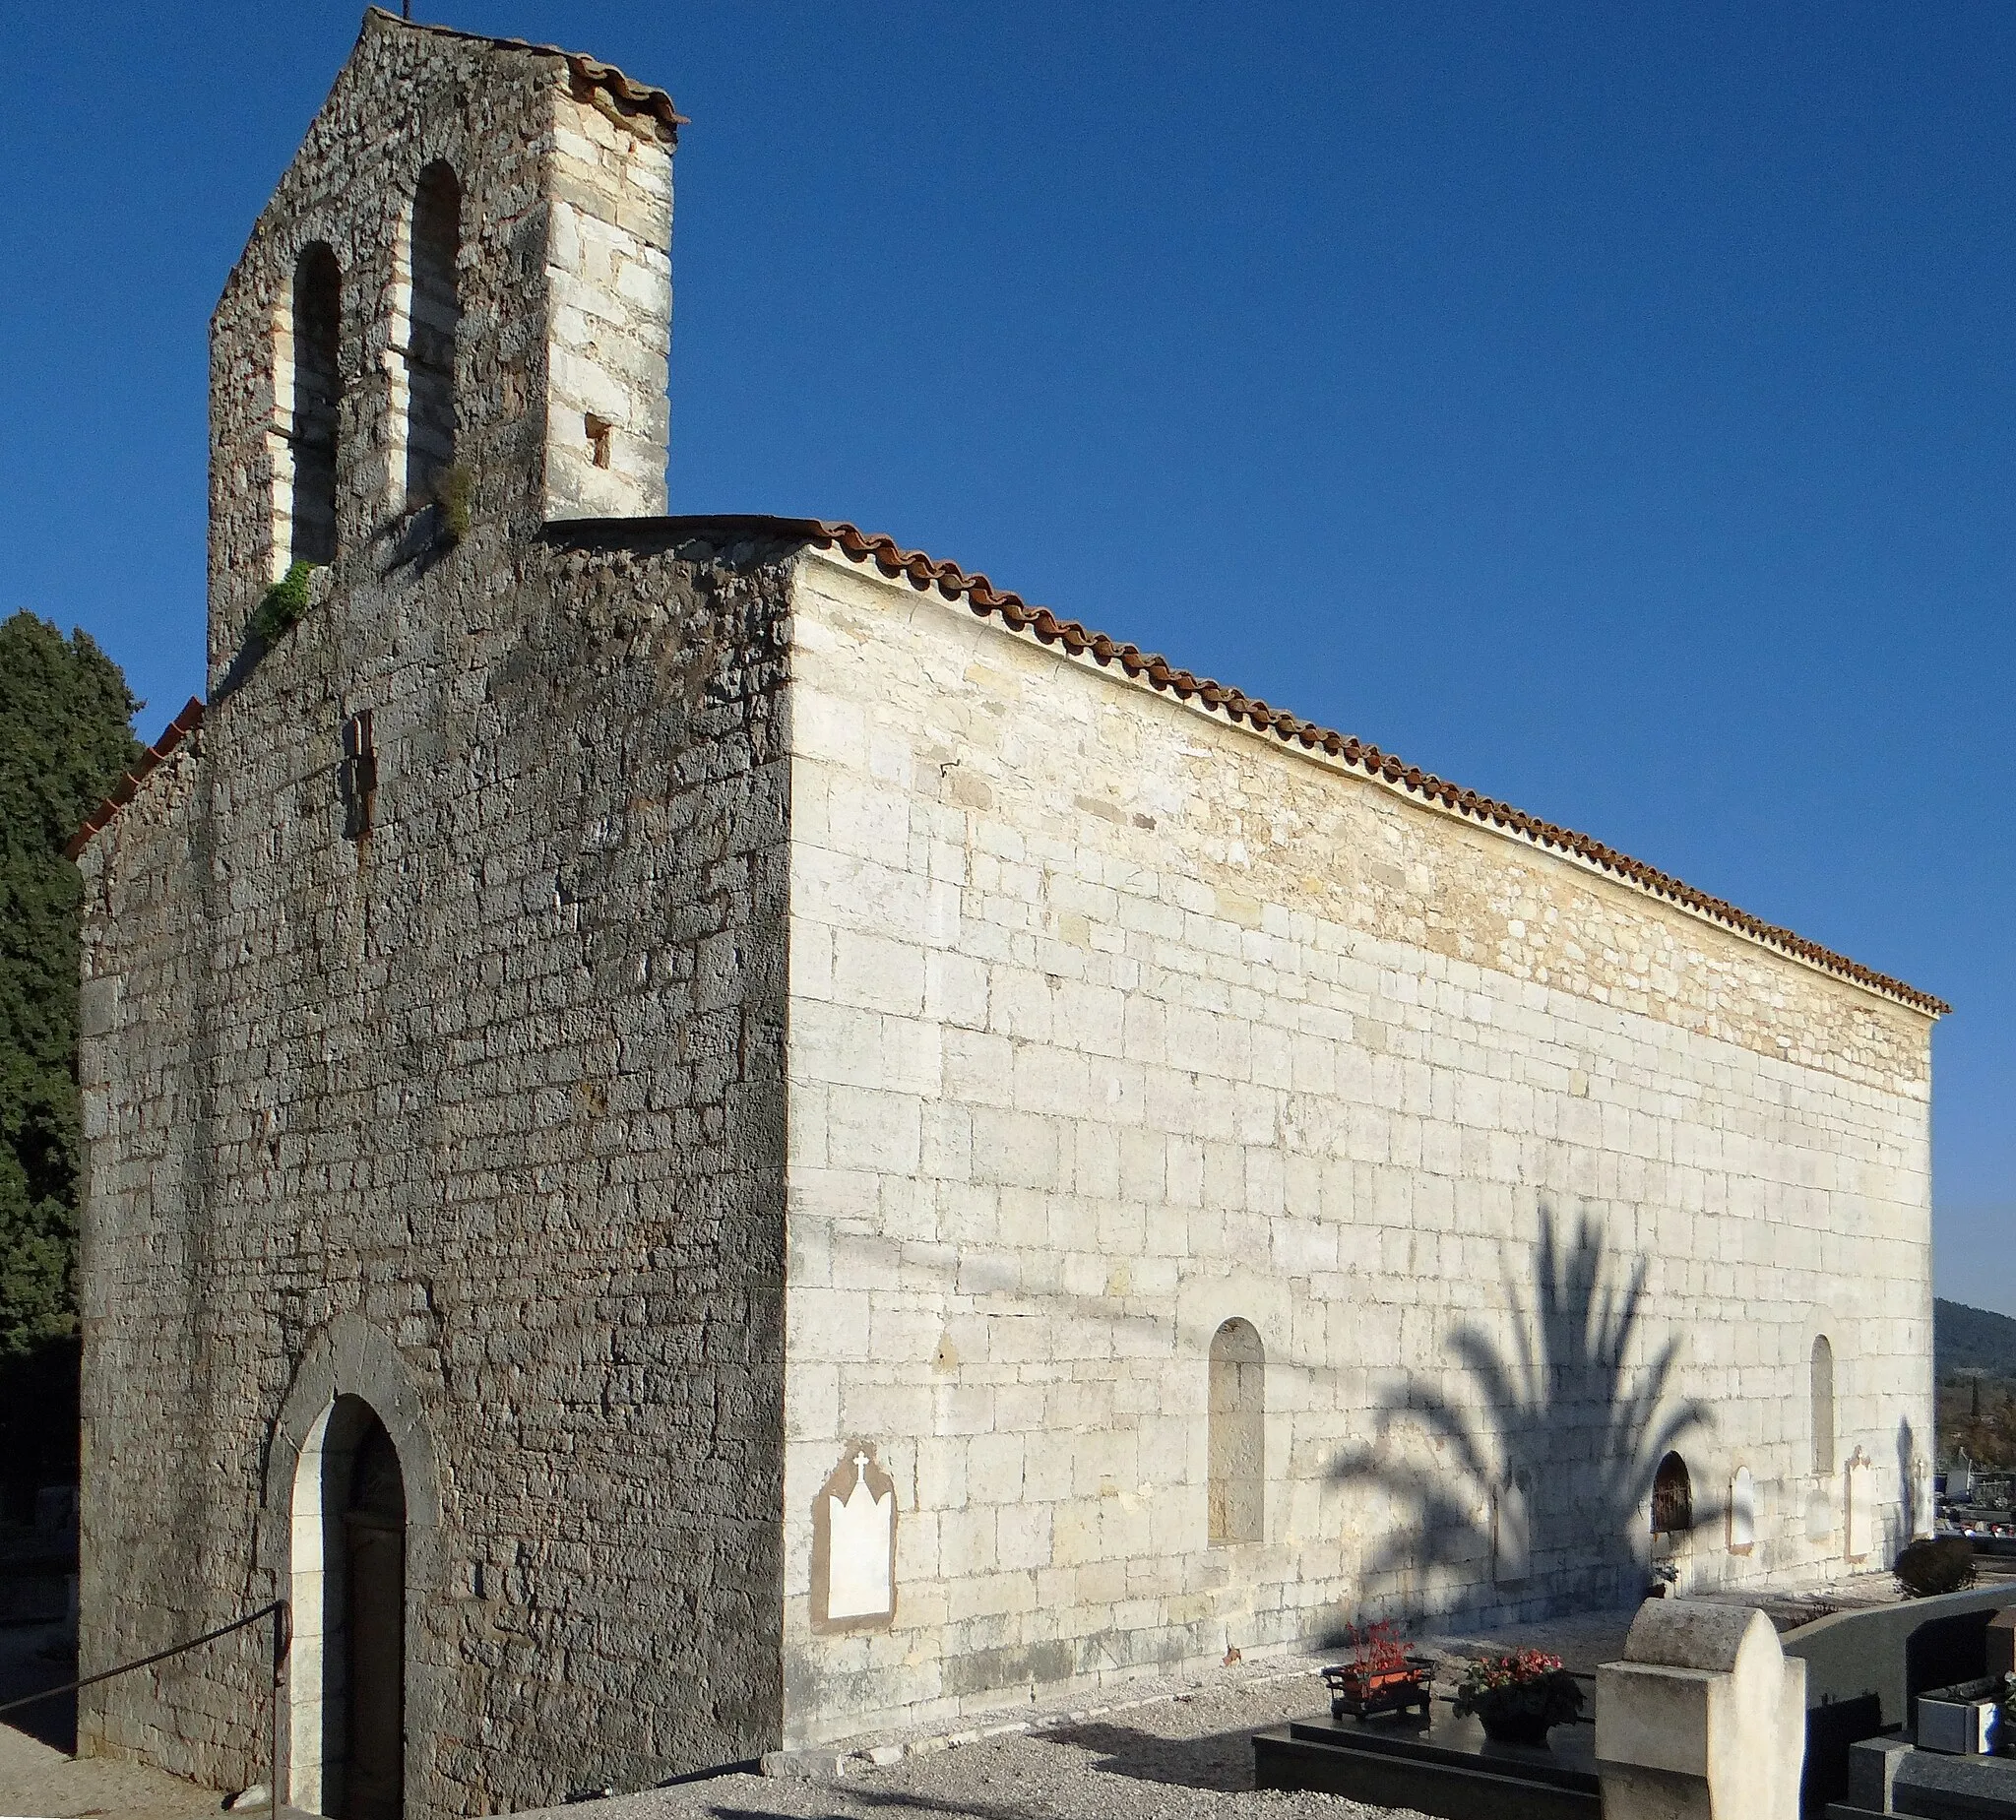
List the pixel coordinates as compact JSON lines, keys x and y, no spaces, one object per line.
{"x":64,"y":740}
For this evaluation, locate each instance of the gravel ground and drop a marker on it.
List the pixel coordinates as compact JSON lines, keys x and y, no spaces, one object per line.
{"x":37,"y":1779}
{"x":1186,"y":1757}
{"x":1177,"y":1747}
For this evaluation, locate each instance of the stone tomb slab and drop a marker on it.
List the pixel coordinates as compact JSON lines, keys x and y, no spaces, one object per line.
{"x":1446,"y":1767}
{"x":1890,"y":1776}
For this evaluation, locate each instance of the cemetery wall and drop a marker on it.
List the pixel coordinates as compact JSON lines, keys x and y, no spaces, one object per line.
{"x":1112,"y":1023}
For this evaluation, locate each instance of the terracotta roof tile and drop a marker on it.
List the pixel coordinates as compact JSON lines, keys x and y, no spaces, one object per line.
{"x":986,"y":600}
{"x":183,"y":724}
{"x":587,"y":72}
{"x":924,"y":572}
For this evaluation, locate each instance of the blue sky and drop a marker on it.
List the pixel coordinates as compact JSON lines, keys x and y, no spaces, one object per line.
{"x":1610,"y":407}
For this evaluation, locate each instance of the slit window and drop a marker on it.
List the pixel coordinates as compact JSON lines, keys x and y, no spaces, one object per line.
{"x":358,"y":777}
{"x":1823,"y":1404}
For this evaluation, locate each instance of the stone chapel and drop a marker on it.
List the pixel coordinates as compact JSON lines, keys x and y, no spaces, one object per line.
{"x":706,"y":1133}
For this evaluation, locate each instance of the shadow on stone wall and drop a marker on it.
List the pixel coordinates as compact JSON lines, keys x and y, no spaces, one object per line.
{"x":1565,"y":1416}
{"x":1904,"y":1523}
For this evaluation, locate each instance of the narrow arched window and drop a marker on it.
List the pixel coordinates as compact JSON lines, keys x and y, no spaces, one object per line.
{"x":1238,"y":1437}
{"x":316,"y":325}
{"x":433,"y":316}
{"x":1823,"y":1406}
{"x":1672,"y":1498}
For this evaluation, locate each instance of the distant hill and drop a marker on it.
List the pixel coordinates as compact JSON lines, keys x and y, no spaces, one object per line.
{"x":1968,"y":1338}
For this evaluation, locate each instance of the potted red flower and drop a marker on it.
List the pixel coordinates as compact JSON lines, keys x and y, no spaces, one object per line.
{"x":1518,"y":1697}
{"x":1380,"y":1677}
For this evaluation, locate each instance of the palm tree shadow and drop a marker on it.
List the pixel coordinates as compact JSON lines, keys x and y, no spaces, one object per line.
{"x":1568,"y":1426}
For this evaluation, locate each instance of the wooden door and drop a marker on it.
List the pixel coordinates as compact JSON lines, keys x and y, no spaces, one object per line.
{"x":374,"y":1536}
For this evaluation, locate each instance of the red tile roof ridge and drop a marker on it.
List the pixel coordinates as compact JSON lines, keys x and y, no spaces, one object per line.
{"x":180,"y":728}
{"x":984,"y":599}
{"x":586,"y":70}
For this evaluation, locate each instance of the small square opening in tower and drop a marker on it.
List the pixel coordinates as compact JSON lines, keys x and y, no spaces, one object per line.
{"x":599,"y":430}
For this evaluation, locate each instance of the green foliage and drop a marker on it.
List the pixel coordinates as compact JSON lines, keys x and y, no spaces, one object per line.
{"x":282,"y":606}
{"x":455,"y":491}
{"x":64,"y":740}
{"x":454,"y":494}
{"x":1935,"y":1564}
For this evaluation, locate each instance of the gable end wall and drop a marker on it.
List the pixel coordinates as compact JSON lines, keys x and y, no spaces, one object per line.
{"x":499,"y":1084}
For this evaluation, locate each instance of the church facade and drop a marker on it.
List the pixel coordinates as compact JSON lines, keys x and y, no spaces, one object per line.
{"x":705,"y":1134}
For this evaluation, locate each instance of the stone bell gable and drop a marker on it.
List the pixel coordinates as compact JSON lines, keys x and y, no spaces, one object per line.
{"x":466,"y":267}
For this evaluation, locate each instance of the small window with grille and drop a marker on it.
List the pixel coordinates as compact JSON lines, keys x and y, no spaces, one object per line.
{"x":1672,"y":1498}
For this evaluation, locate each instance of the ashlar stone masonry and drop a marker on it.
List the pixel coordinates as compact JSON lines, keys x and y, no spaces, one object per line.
{"x":818,"y":1147}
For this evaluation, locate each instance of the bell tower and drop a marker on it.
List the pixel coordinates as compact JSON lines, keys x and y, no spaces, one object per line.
{"x":451,"y":323}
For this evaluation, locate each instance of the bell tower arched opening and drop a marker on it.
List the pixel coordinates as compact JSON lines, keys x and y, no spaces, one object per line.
{"x":316,"y":323}
{"x":433,"y":326}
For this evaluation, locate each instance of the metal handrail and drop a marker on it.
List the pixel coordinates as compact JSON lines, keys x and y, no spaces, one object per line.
{"x":281,"y":1615}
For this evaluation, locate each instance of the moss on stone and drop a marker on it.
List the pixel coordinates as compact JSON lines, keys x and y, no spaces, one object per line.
{"x":282,"y":606}
{"x":455,"y":488}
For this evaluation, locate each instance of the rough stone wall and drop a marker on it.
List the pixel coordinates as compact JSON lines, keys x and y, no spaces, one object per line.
{"x":501,"y":1078}
{"x":565,"y":293}
{"x":1111,"y":1023}
{"x":149,"y":1279}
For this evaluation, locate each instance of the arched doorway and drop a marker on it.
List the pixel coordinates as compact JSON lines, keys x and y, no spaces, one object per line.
{"x":349,"y":1572}
{"x":374,"y":1625}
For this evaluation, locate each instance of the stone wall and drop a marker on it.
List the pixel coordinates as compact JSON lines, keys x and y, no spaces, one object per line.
{"x":498,"y":1084}
{"x":564,"y":285}
{"x":865,"y":1166}
{"x":1111,"y":1023}
{"x":609,"y":278}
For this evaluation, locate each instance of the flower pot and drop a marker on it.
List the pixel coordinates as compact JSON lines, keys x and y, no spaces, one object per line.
{"x":1375,"y":1681}
{"x":1523,"y":1697}
{"x":1513,"y":1727}
{"x":1357,"y":1692}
